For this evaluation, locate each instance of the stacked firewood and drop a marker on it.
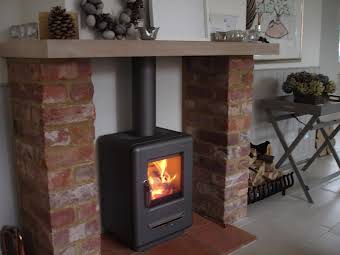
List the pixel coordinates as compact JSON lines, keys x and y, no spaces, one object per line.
{"x":262,"y":168}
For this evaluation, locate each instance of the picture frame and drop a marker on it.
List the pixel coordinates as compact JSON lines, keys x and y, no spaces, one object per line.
{"x":226,"y":15}
{"x":180,"y":20}
{"x":281,"y":22}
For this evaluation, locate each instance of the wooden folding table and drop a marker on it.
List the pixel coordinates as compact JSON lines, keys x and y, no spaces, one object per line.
{"x":283,"y":108}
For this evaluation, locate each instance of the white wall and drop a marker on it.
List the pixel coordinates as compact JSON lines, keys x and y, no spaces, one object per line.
{"x":330,"y":39}
{"x":10,"y":14}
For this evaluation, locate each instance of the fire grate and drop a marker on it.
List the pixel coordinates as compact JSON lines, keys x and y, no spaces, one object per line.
{"x":270,"y":188}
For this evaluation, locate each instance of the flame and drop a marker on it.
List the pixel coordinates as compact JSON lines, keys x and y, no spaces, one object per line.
{"x":160,"y":180}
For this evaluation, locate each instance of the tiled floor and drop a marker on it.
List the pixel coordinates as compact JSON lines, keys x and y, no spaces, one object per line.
{"x":290,"y":226}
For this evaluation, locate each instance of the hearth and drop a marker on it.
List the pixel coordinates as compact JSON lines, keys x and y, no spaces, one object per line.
{"x":145,"y":174}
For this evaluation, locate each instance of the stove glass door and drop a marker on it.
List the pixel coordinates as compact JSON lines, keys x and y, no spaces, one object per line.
{"x":164,"y":180}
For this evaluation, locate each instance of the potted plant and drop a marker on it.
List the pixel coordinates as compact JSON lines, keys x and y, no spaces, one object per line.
{"x":309,"y":88}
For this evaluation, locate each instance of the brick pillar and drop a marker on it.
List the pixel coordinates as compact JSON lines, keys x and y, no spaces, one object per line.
{"x":217,"y":109}
{"x":55,"y":155}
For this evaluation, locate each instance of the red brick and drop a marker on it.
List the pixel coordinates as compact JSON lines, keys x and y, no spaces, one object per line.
{"x":220,"y":94}
{"x":61,"y":157}
{"x":21,"y":111}
{"x":88,"y":210}
{"x":71,"y":250}
{"x":84,"y":69}
{"x":85,"y":173}
{"x":57,"y":115}
{"x":59,"y":137}
{"x":248,"y":79}
{"x":244,"y":94}
{"x":234,"y":110}
{"x":233,"y":139}
{"x":54,"y":71}
{"x":92,"y":227}
{"x":60,"y":179}
{"x":60,"y":238}
{"x":203,"y":148}
{"x":244,"y":163}
{"x":82,"y":133}
{"x":211,"y":164}
{"x":47,"y":155}
{"x":82,"y":92}
{"x":213,"y":137}
{"x":54,"y":94}
{"x":235,"y":79}
{"x":71,"y":196}
{"x":199,"y":92}
{"x":90,"y":245}
{"x":247,"y":108}
{"x":63,"y":217}
{"x":239,"y":124}
{"x":28,"y":72}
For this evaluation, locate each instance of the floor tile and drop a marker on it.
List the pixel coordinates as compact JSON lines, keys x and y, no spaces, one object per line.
{"x":333,"y":186}
{"x":329,"y":244}
{"x":289,"y":225}
{"x":336,"y":229}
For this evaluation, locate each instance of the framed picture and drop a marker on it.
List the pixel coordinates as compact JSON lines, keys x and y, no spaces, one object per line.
{"x":226,"y":15}
{"x":282,"y":22}
{"x":180,"y":20}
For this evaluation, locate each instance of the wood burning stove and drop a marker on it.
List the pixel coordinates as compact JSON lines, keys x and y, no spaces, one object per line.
{"x":145,"y":174}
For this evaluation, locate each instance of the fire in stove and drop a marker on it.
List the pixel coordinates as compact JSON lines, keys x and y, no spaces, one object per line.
{"x":164,"y":177}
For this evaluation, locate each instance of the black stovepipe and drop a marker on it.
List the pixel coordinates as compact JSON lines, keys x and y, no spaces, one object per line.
{"x":144,"y":95}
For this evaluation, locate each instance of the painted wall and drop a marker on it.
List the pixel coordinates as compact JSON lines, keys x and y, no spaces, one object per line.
{"x":330,"y":39}
{"x":10,"y":14}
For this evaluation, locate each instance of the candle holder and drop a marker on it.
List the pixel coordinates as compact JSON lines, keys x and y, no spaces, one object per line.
{"x":149,"y":33}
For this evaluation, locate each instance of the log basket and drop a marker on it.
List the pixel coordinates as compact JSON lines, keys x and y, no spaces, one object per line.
{"x":270,"y":188}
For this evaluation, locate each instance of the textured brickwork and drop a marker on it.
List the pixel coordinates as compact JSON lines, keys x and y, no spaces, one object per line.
{"x":217,"y":110}
{"x":54,"y":136}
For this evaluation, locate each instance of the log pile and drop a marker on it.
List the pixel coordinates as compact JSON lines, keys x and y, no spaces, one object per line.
{"x":262,"y":168}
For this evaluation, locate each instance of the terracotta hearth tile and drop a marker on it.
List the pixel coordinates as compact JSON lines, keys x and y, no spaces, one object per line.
{"x":224,"y":240}
{"x":110,"y":246}
{"x":203,"y":238}
{"x":198,"y":221}
{"x":183,"y":245}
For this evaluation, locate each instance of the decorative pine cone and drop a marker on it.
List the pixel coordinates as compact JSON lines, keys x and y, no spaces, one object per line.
{"x":135,"y":9}
{"x":61,"y":24}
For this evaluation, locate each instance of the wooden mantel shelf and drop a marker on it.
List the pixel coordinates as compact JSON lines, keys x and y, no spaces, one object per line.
{"x":109,"y":49}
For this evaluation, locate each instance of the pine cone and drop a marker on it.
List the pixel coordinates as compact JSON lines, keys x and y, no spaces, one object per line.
{"x":61,"y":24}
{"x":135,"y":10}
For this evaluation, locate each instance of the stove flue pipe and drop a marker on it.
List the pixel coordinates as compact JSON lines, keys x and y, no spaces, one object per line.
{"x":144,"y":95}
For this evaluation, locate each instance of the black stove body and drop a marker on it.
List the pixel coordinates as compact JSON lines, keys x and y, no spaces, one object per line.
{"x":145,"y":174}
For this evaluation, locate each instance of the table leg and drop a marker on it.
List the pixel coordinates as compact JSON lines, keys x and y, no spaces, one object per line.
{"x":305,"y":188}
{"x":321,"y":148}
{"x":330,"y":145}
{"x":298,"y":139}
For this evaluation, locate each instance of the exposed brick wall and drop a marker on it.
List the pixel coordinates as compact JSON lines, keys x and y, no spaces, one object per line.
{"x":217,"y":109}
{"x":54,"y":136}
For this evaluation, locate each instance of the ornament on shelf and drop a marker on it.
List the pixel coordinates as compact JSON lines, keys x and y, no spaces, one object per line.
{"x":61,"y":24}
{"x":110,"y":27}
